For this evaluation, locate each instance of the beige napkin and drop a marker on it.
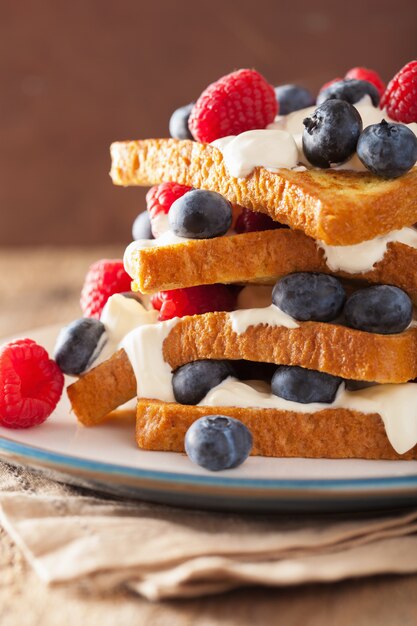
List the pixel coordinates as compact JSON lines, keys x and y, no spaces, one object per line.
{"x":71,"y":536}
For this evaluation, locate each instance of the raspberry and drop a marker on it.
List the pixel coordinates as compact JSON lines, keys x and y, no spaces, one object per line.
{"x":30,"y":384}
{"x":400,"y":97}
{"x":104,"y":278}
{"x":249,"y":221}
{"x":362,"y":73}
{"x":194,"y":300}
{"x":240,"y":101}
{"x":330,"y":82}
{"x":159,"y":200}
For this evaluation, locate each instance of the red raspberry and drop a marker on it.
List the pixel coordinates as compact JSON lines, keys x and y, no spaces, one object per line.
{"x":159,"y":200}
{"x":194,"y":301}
{"x":104,"y":278}
{"x":249,"y":221}
{"x":30,"y":384}
{"x":400,"y":97}
{"x":240,"y":101}
{"x":330,"y":82}
{"x":362,"y":73}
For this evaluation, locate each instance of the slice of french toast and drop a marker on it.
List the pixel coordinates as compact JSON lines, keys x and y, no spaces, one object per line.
{"x":337,"y":207}
{"x":331,"y":433}
{"x":257,"y":257}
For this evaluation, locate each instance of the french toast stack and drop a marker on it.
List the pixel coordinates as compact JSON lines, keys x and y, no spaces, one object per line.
{"x":353,"y":225}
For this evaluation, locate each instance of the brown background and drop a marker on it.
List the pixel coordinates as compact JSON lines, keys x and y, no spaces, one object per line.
{"x":76,"y":75}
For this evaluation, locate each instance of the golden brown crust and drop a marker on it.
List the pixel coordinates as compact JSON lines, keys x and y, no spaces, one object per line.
{"x":326,"y":347}
{"x":331,"y":434}
{"x":258,"y":257}
{"x":338,"y":207}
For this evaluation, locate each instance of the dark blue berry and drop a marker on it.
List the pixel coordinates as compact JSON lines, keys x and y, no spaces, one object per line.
{"x":78,"y":345}
{"x":200,"y":214}
{"x":217,"y":442}
{"x":382,"y":309}
{"x":331,"y":133}
{"x":387,"y":149}
{"x":141,"y":228}
{"x":309,"y":296}
{"x":192,"y":382}
{"x":292,"y":98}
{"x":301,"y":385}
{"x":351,"y":90}
{"x":178,"y":123}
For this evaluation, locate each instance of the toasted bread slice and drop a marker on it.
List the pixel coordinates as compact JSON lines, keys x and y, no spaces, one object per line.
{"x":331,"y":433}
{"x":337,"y":207}
{"x":261,"y":257}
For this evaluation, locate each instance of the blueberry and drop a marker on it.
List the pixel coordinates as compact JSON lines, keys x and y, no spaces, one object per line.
{"x":192,"y":382}
{"x":292,"y":98}
{"x":351,"y":90}
{"x":309,"y":296}
{"x":301,"y":385}
{"x":141,"y":228}
{"x":382,"y":309}
{"x":217,"y":442}
{"x":387,"y":149}
{"x":331,"y":133}
{"x":200,"y":214}
{"x":178,"y":123}
{"x":78,"y":344}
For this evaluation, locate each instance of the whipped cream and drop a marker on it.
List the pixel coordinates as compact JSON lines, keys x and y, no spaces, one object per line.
{"x":270,"y":315}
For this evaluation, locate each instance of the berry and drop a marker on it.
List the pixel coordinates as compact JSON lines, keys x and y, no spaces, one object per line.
{"x":382,"y":309}
{"x":159,"y":200}
{"x":301,"y":385}
{"x":200,"y":214}
{"x":387,"y":150}
{"x":30,"y":384}
{"x":363,"y":73}
{"x":178,"y":123}
{"x":249,"y":221}
{"x":400,"y":97}
{"x":104,"y":278}
{"x":192,"y":382}
{"x":350,"y":90}
{"x":194,"y":301}
{"x":292,"y":98}
{"x":78,"y":345}
{"x":331,"y":133}
{"x":240,"y":101}
{"x":309,"y":296}
{"x":217,"y":442}
{"x":330,"y":82}
{"x":141,"y":228}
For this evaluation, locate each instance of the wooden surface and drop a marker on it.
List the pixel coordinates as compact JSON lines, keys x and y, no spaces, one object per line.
{"x":41,"y":287}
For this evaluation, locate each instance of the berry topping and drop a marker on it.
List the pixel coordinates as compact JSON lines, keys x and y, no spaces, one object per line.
{"x":301,"y":385}
{"x":382,"y":309}
{"x":400,"y":97}
{"x":331,"y":133}
{"x":363,"y":73}
{"x":78,"y":345}
{"x":141,"y":228}
{"x":159,"y":200}
{"x":178,"y":123}
{"x":200,"y":214}
{"x":330,"y":82}
{"x":292,"y":98}
{"x":240,"y":101}
{"x":104,"y":278}
{"x":309,"y":296}
{"x":192,"y":382}
{"x":350,"y":90}
{"x":194,"y":301}
{"x":217,"y":442}
{"x":249,"y":221}
{"x":387,"y":150}
{"x":30,"y":384}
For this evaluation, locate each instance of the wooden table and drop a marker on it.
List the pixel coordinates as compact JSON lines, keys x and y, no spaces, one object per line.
{"x":42,"y":287}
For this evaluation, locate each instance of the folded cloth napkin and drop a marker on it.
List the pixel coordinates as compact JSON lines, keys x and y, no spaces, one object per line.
{"x":72,"y":535}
